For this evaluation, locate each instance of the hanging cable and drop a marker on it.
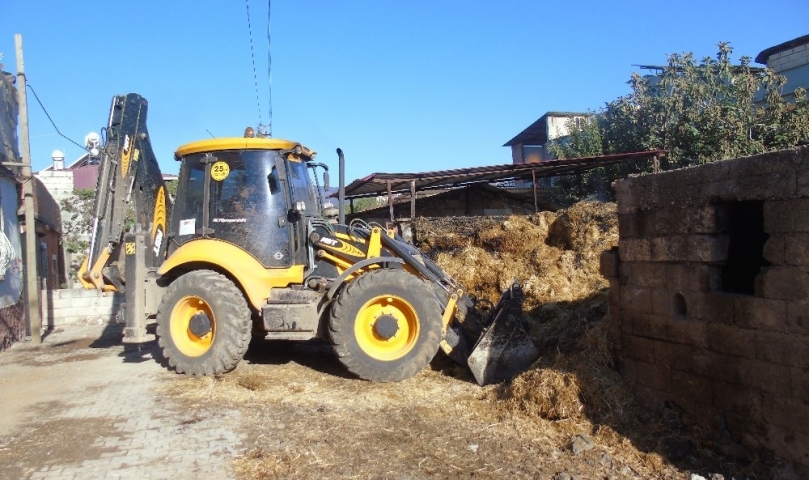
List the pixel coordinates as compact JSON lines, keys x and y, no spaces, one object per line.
{"x":253,"y":57}
{"x":51,"y":120}
{"x":269,"y":63}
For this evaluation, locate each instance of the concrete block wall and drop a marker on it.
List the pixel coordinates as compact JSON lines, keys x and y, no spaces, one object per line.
{"x":709,"y":296}
{"x":76,"y":305}
{"x":789,"y":59}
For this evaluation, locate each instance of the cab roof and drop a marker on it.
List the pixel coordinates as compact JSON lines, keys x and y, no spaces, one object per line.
{"x":238,"y":143}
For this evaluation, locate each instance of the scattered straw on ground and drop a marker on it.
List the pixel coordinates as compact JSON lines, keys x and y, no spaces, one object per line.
{"x":304,"y":417}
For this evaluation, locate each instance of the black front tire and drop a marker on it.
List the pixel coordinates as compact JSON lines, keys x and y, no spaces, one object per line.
{"x":188,"y":303}
{"x":385,"y":325}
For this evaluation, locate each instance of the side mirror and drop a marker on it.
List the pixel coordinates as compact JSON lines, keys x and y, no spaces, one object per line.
{"x":326,"y":180}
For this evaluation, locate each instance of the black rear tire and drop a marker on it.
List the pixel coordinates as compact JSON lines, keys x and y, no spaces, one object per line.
{"x":188,"y":303}
{"x":385,"y":325}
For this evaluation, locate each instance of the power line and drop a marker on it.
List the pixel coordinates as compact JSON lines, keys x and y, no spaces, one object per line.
{"x":253,"y":58}
{"x":51,"y":120}
{"x":269,"y":62}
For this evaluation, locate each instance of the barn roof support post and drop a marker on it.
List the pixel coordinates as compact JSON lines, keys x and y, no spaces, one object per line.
{"x":534,"y":185}
{"x":412,"y":199}
{"x":390,"y":201}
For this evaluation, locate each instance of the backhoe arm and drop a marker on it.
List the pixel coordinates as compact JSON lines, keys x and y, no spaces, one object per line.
{"x":130,"y":196}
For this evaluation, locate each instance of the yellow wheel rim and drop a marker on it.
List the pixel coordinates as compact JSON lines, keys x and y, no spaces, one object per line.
{"x":387,"y":327}
{"x":187,"y":342}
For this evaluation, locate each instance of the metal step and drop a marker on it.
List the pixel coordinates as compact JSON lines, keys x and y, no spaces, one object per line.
{"x":307,"y":335}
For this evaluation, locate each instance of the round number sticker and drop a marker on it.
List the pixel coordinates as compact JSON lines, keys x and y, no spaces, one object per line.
{"x":220,"y":171}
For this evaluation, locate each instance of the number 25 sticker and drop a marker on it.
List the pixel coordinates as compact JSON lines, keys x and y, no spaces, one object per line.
{"x":220,"y":171}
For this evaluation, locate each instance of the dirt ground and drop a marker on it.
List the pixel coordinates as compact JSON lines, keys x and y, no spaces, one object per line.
{"x":301,"y":415}
{"x":569,"y":414}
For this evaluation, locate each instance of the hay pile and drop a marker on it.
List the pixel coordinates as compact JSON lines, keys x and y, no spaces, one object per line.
{"x":555,"y":255}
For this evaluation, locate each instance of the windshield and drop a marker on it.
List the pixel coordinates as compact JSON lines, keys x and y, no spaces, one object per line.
{"x":302,"y":186}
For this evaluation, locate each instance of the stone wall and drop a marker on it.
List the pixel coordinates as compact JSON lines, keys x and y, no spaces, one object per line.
{"x":709,"y":297}
{"x":75,"y":305}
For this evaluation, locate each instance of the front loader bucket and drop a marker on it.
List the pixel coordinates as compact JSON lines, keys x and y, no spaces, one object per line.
{"x":504,"y":350}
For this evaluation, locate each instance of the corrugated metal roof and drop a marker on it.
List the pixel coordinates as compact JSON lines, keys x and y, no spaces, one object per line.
{"x":377,"y":183}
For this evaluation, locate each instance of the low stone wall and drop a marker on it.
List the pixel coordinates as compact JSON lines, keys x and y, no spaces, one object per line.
{"x":75,"y":305}
{"x":710,"y":297}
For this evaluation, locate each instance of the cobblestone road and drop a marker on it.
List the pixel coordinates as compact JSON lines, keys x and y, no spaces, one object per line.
{"x":81,"y":407}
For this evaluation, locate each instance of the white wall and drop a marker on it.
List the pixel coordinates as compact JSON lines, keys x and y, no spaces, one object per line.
{"x":77,"y":305}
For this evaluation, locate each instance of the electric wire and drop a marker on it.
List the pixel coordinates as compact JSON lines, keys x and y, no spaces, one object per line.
{"x":253,"y":58}
{"x":269,"y":63}
{"x":51,"y":120}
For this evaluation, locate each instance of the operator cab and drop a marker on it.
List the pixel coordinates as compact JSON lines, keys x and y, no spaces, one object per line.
{"x":254,"y":193}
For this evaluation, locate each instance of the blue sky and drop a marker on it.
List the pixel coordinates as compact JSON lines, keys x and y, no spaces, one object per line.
{"x":400,"y":86}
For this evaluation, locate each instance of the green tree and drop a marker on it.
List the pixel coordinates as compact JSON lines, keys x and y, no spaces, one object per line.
{"x":700,"y":112}
{"x":79,"y":222}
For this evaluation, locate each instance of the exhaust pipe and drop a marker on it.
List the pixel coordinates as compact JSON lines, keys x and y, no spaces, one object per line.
{"x":341,"y":193}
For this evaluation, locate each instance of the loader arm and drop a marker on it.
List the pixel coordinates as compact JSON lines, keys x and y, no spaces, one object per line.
{"x":130,"y":195}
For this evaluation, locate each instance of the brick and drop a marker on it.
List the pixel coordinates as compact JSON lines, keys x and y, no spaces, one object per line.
{"x":650,"y":326}
{"x":783,"y":348}
{"x":766,"y":376}
{"x":799,"y":212}
{"x":707,"y":248}
{"x":777,"y":217}
{"x":796,"y":249}
{"x":760,"y":313}
{"x":712,"y":307}
{"x":718,"y":366}
{"x":799,"y":381}
{"x":636,"y":299}
{"x":688,"y":332}
{"x":709,"y":418}
{"x":650,"y":398}
{"x":628,"y":225}
{"x":691,"y":386}
{"x":786,"y":412}
{"x":786,"y":283}
{"x":657,"y":377}
{"x":628,"y":367}
{"x":732,"y":340}
{"x":787,"y":443}
{"x":644,"y":274}
{"x":627,"y":320}
{"x":675,"y":356}
{"x":774,"y":250}
{"x":664,"y":303}
{"x":608,"y":263}
{"x":615,"y":291}
{"x":634,"y":250}
{"x":737,"y":399}
{"x":691,"y":277}
{"x":638,"y":348}
{"x":669,"y":249}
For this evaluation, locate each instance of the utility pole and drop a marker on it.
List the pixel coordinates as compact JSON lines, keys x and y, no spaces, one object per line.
{"x":31,"y":284}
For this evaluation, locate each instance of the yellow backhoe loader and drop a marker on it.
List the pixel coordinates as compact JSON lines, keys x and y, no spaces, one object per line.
{"x":244,"y":250}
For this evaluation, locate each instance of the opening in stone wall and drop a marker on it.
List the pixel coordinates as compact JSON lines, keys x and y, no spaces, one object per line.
{"x":680,"y":306}
{"x":745,"y":227}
